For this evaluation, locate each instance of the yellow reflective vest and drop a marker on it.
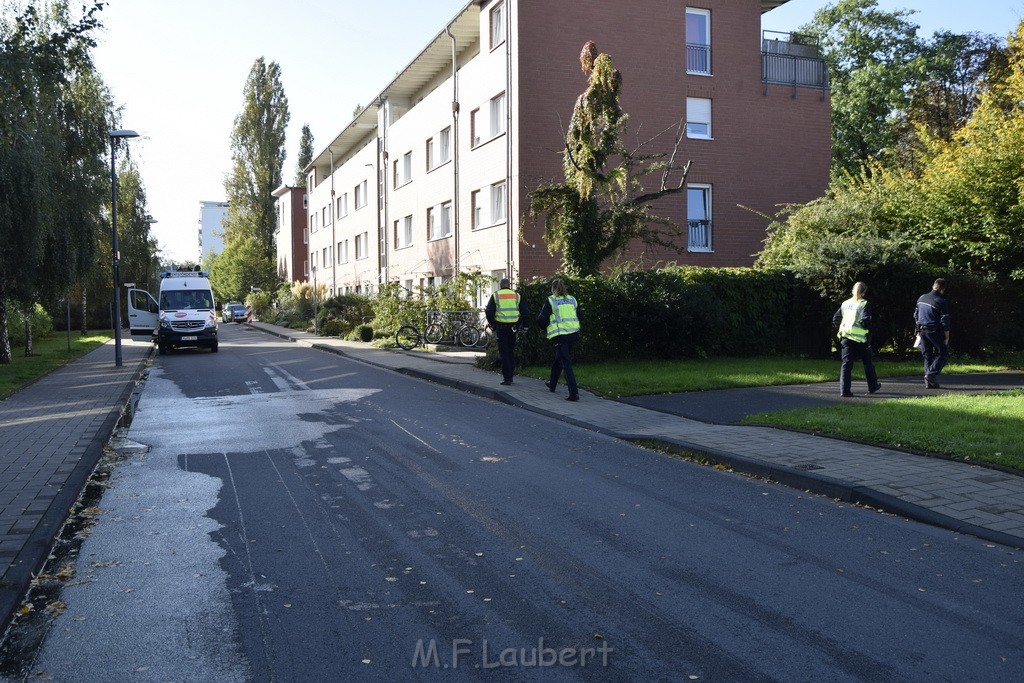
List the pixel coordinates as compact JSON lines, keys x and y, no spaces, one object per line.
{"x":851,"y":328}
{"x":506,"y":306}
{"x":563,"y":316}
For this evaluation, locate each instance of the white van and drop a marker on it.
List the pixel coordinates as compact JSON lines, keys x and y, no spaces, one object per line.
{"x":185,"y":315}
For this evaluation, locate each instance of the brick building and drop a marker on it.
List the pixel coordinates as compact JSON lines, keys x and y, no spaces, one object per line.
{"x":433,"y":177}
{"x":291,"y":237}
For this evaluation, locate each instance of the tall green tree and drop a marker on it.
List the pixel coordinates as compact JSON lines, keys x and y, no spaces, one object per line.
{"x":258,"y":153}
{"x":44,"y":56}
{"x":874,"y":59}
{"x":603,"y":204}
{"x":305,"y":156}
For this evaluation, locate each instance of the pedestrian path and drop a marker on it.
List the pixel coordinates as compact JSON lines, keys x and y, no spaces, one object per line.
{"x":984,"y":502}
{"x":52,"y":434}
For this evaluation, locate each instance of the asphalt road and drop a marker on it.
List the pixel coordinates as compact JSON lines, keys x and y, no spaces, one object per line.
{"x":300,"y":516}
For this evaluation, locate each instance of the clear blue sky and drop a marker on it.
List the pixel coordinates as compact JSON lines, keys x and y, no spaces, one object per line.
{"x":178,"y":68}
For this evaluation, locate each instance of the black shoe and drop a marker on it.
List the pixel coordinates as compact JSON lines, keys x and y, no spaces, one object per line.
{"x":875,"y":388}
{"x":846,"y":395}
{"x":506,"y":383}
{"x":551,"y":387}
{"x":574,"y":397}
{"x":931,"y":385}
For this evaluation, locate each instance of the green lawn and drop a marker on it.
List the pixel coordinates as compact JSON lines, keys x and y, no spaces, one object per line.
{"x":643,"y":377}
{"x":48,"y":355}
{"x":984,"y":427}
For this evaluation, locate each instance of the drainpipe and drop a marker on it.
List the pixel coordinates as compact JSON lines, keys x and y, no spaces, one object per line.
{"x":380,"y":169}
{"x":509,"y":228}
{"x":454,"y":142}
{"x":334,"y":225}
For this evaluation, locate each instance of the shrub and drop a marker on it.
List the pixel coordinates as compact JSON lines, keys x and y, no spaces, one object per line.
{"x":333,"y":328}
{"x":42,"y":324}
{"x":364,"y":333}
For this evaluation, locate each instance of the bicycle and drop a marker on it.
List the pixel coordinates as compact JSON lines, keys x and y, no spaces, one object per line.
{"x":451,"y":325}
{"x":408,"y":337}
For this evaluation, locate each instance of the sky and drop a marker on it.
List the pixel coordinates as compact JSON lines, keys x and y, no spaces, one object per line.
{"x":177,"y":69}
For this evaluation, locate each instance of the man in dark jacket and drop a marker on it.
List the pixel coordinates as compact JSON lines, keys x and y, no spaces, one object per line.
{"x":506,"y":311}
{"x":932,"y":318}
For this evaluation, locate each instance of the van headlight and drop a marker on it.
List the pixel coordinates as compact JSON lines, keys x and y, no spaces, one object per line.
{"x":164,"y":325}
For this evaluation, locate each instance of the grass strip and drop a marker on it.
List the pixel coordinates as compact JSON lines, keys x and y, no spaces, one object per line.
{"x":983,"y":427}
{"x":49,"y":354}
{"x":646,"y":377}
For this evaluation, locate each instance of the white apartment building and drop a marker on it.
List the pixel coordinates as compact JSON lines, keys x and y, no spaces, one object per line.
{"x":211,"y":228}
{"x":415,"y":189}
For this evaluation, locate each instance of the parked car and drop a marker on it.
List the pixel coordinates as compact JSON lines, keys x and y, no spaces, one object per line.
{"x":233,"y":311}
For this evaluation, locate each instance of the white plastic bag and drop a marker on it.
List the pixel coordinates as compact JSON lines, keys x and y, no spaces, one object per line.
{"x":919,"y":343}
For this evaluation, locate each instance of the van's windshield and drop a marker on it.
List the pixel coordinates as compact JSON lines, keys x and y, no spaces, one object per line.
{"x":178,"y":299}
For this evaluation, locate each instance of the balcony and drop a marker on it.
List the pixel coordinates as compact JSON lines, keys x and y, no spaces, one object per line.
{"x":792,"y":59}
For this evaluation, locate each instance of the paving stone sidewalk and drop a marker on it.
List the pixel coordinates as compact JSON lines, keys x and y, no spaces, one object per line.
{"x":52,"y":434}
{"x":988,"y":503}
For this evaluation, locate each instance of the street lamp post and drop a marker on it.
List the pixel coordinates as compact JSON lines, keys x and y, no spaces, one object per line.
{"x":116,"y":135}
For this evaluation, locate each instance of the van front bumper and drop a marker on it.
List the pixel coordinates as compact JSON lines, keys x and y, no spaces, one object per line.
{"x":173,"y":338}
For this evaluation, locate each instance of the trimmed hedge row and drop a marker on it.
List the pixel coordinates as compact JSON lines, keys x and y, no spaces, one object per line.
{"x":686,"y":312}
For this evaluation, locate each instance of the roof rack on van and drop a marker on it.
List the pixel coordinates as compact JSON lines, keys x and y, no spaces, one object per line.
{"x":184,"y":273}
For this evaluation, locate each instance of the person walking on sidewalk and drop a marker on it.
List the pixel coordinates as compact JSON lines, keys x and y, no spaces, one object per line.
{"x":505,"y":311}
{"x":561,"y":316}
{"x":854,"y":319}
{"x":932,"y":319}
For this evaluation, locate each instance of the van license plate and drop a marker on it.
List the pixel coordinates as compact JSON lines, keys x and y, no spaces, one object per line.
{"x":192,"y":338}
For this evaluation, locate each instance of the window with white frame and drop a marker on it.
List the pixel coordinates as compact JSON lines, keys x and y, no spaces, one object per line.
{"x":698,"y":217}
{"x":430,"y":153}
{"x":475,"y":210}
{"x":362,"y":246}
{"x":444,"y":146}
{"x":497,"y":115}
{"x":343,"y":251}
{"x":497,"y":24}
{"x":305,"y":267}
{"x":338,"y":252}
{"x":325,"y":215}
{"x":439,"y":221}
{"x":407,"y":285}
{"x":343,"y":205}
{"x":360,"y":195}
{"x":498,"y":203}
{"x":312,"y":223}
{"x":698,"y":41}
{"x":403,"y":232}
{"x":326,"y":258}
{"x":474,"y":128}
{"x":305,"y":236}
{"x":698,"y":118}
{"x":406,"y":167}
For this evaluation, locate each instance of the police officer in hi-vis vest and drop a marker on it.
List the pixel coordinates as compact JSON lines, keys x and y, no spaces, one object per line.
{"x":854,"y":319}
{"x":562,"y":318}
{"x":506,"y":311}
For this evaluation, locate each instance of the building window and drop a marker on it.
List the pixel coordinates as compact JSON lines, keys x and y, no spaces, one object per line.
{"x":474,"y":128}
{"x":362,"y":245}
{"x":325,"y":218}
{"x":312,"y":223}
{"x":338,"y":252}
{"x":698,"y":217}
{"x":698,"y":41}
{"x":497,"y":25}
{"x":403,"y":232}
{"x":343,"y":205}
{"x":439,"y":221}
{"x":305,"y":236}
{"x":406,"y":168}
{"x":430,"y":154}
{"x":498,"y":115}
{"x":498,"y":203}
{"x":305,"y":268}
{"x":444,"y":146}
{"x":343,"y":251}
{"x":326,"y":259}
{"x":698,"y":118}
{"x":475,"y":210}
{"x":360,"y":195}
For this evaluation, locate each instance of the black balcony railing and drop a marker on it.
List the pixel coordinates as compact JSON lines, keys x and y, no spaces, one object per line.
{"x":792,"y":59}
{"x":698,"y":59}
{"x":700,"y":235}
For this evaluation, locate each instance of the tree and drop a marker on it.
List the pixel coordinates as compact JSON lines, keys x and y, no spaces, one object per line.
{"x":972,"y":187}
{"x":305,"y":156}
{"x":602,"y":205}
{"x":257,"y":152}
{"x":874,"y":59}
{"x":44,"y":57}
{"x":242,"y":266}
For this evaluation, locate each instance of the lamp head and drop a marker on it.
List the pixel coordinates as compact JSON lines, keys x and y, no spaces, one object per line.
{"x":122,"y":134}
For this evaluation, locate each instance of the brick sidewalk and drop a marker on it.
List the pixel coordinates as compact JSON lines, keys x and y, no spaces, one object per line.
{"x":52,"y":434}
{"x":984,"y":502}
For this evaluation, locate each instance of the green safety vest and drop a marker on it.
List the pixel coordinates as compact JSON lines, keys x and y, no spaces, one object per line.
{"x":506,"y":306}
{"x":850,"y":327}
{"x":563,"y":316}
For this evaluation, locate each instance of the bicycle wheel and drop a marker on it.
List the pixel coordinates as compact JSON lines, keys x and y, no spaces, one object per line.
{"x":407,"y":337}
{"x":468,"y":336}
{"x":434,"y":333}
{"x":485,"y":337}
